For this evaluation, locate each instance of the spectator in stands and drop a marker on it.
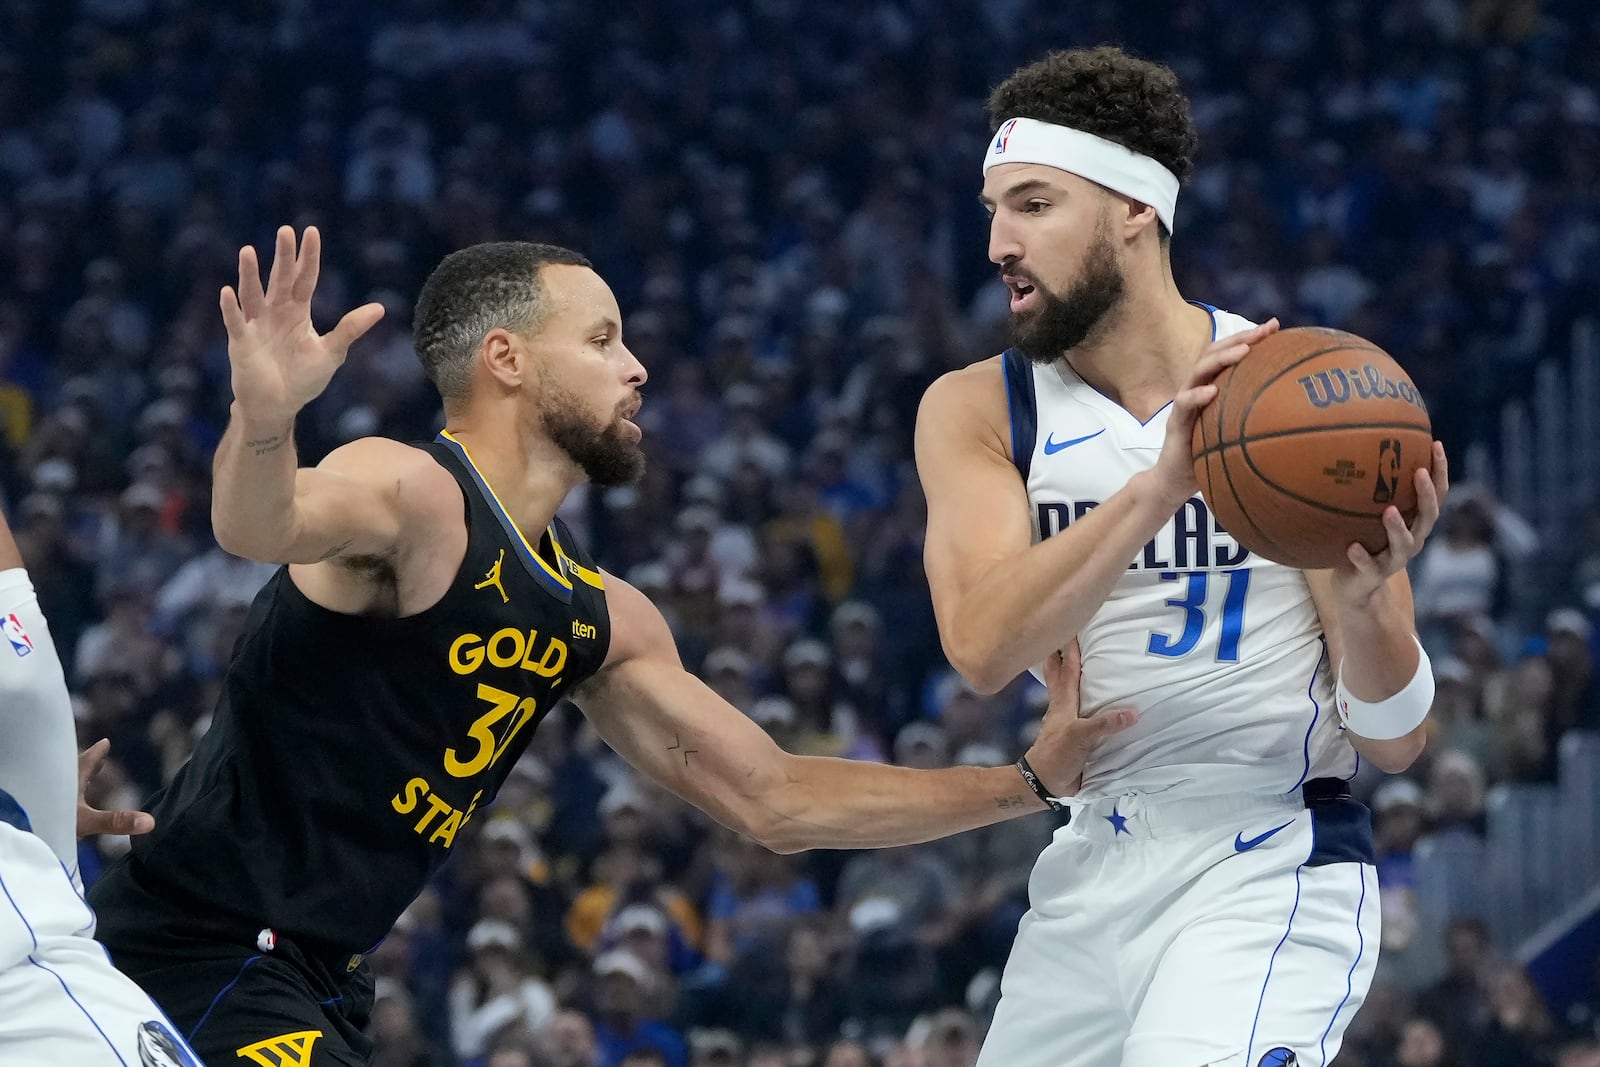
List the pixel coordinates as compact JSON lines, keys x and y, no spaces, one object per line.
{"x":622,"y":1025}
{"x":755,"y":897}
{"x":568,"y":1040}
{"x":495,"y":989}
{"x":1520,"y":1029}
{"x":1457,"y":1001}
{"x":1575,"y":684}
{"x":1422,"y":1044}
{"x":1398,"y":822}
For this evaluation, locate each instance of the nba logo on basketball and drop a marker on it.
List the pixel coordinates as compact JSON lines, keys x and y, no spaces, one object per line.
{"x":21,"y":643}
{"x":1279,"y":1057}
{"x":1003,"y":136}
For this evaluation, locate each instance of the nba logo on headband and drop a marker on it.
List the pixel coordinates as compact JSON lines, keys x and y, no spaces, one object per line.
{"x":1004,"y":134}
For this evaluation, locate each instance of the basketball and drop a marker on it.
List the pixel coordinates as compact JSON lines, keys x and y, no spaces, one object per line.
{"x":1309,"y":438}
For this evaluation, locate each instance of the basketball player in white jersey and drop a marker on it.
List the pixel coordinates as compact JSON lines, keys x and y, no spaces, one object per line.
{"x":61,"y":1001}
{"x":1213,"y":900}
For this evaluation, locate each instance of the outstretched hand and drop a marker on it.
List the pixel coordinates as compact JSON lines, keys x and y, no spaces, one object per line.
{"x":1067,"y":739}
{"x":92,"y":821}
{"x":280,"y":363}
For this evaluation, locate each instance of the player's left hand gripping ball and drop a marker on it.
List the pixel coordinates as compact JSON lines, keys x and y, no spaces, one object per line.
{"x":1367,"y":572}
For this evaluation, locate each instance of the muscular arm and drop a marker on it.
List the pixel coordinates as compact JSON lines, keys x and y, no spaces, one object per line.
{"x":266,"y":507}
{"x":1003,"y":603}
{"x":1373,"y":643}
{"x":674,"y":728}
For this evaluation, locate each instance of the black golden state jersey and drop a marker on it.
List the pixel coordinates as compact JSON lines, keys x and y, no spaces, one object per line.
{"x":347,"y":752}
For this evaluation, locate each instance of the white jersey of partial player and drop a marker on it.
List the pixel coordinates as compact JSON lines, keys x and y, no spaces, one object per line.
{"x":1221,"y":651}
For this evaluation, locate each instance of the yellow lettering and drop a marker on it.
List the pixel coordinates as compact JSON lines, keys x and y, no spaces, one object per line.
{"x":406,"y":801}
{"x":582,"y":630}
{"x":471,"y":807}
{"x":500,"y":660}
{"x":482,"y":732}
{"x":447,"y":830}
{"x":556,"y":651}
{"x":435,"y":807}
{"x":473,"y":658}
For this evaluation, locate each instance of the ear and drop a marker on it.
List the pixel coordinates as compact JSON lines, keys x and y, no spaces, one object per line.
{"x":1136,"y":218}
{"x":504,"y":356}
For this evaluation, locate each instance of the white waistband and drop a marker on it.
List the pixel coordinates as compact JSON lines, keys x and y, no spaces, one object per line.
{"x":1144,"y":816}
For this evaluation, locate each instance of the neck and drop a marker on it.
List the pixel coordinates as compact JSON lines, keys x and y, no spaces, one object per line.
{"x":1145,"y":349}
{"x":529,"y":474}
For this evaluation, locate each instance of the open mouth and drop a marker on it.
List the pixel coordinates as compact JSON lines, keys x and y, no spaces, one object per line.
{"x":1022,"y":292}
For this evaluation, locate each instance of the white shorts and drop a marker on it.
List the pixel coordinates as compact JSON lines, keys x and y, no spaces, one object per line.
{"x":61,"y":1001}
{"x":1236,"y":931}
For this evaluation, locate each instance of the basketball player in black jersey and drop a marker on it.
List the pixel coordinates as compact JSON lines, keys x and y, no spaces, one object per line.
{"x":431,"y":610}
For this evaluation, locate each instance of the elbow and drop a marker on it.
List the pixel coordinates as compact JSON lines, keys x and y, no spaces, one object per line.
{"x":238,"y":539}
{"x":1397,"y":755}
{"x":979,"y":664}
{"x":771,"y":830}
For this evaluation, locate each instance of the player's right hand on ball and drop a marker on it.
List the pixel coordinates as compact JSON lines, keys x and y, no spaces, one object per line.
{"x":280,"y":363}
{"x":1066,"y":737}
{"x":1174,"y":468}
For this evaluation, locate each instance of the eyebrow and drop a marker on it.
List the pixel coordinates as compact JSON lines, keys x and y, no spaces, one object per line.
{"x":606,"y":324}
{"x":1029,"y":186}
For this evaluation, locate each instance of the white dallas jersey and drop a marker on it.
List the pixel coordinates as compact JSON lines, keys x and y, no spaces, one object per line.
{"x":1221,"y":651}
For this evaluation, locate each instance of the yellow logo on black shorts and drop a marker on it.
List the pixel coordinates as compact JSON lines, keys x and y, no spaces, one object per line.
{"x":285,"y":1050}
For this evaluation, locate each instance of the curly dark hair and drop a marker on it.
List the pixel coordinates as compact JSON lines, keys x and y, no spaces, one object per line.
{"x":473,"y":291}
{"x":1109,"y":93}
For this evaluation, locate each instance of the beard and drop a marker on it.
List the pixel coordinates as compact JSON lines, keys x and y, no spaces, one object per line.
{"x":1064,"y":322}
{"x":606,"y":457}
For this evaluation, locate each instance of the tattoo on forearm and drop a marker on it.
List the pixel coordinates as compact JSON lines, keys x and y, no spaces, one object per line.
{"x":1011,"y":803}
{"x":677,"y":746}
{"x":336,"y":550}
{"x":262,"y":445}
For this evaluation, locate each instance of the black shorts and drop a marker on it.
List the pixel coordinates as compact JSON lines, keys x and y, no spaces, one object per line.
{"x":232,"y":1001}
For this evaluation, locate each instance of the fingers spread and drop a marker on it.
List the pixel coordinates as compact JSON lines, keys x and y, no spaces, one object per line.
{"x":251,"y":297}
{"x":278,"y":279}
{"x":353,"y":325}
{"x":308,"y":267}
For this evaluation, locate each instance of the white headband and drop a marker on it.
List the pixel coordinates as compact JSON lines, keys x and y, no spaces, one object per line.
{"x":1101,"y":161}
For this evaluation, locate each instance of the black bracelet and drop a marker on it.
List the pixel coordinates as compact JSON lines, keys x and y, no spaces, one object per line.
{"x":1038,"y":787}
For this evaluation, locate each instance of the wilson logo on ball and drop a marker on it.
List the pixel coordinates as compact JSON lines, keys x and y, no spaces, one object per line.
{"x":1329,"y":387}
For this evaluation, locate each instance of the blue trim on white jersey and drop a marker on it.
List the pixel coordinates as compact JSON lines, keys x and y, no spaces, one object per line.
{"x":1349,"y":978}
{"x":13,"y":813}
{"x":73,"y":997}
{"x":1316,"y":713}
{"x":1211,"y":310}
{"x":18,"y":909}
{"x":1023,"y":407}
{"x":1262,"y":999}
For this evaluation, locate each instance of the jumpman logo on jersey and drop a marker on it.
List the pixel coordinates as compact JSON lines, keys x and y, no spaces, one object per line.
{"x":493,"y":578}
{"x":285,"y":1050}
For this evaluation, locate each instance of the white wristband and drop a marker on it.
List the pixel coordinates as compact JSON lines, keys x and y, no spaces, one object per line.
{"x":1396,"y":716}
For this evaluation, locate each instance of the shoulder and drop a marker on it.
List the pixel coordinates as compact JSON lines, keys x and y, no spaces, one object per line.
{"x":968,"y":401}
{"x":408,"y":474}
{"x":1226,"y":323}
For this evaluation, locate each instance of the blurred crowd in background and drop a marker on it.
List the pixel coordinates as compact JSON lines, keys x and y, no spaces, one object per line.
{"x":783,"y":196}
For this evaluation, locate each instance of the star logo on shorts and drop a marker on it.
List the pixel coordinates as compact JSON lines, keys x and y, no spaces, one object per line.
{"x":1118,"y":821}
